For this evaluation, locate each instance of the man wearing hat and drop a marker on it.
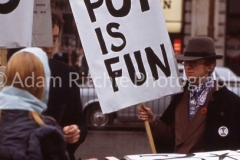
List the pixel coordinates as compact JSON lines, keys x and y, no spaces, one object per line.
{"x":206,"y":116}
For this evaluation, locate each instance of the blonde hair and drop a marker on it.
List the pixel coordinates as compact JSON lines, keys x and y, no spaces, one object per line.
{"x":25,"y":71}
{"x":37,"y":118}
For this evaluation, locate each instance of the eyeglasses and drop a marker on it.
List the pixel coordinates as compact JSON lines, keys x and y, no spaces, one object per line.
{"x":192,"y":64}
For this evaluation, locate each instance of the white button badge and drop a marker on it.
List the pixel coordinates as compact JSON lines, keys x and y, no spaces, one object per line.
{"x":223,"y":131}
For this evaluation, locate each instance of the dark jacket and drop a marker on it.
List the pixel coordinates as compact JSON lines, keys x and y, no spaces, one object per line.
{"x":223,"y":110}
{"x":62,"y":58}
{"x":64,"y":100}
{"x":21,"y":138}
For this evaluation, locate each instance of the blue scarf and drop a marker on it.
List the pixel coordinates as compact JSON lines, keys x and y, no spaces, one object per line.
{"x":12,"y":98}
{"x":198,"y":96}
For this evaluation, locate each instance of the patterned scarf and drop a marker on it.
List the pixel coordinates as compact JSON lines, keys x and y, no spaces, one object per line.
{"x":198,"y":96}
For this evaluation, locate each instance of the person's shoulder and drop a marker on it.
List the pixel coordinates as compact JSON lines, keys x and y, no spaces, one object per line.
{"x":231,"y":93}
{"x":225,"y":93}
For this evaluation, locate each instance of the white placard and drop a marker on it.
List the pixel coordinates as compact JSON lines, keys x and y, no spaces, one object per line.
{"x":123,"y":36}
{"x":214,"y":155}
{"x":42,"y":24}
{"x":16,"y":18}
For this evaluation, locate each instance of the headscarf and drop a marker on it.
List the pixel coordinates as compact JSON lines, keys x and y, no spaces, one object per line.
{"x":12,"y":98}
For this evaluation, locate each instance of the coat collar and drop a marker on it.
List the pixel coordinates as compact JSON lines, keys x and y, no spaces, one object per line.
{"x":168,"y":116}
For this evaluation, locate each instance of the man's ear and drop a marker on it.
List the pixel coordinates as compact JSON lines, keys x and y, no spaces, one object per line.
{"x":211,"y":67}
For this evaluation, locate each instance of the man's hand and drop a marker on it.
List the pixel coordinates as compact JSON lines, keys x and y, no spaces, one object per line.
{"x":71,"y":133}
{"x":145,"y":113}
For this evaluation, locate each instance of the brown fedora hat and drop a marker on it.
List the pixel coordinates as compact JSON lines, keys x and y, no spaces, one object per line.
{"x":199,"y":48}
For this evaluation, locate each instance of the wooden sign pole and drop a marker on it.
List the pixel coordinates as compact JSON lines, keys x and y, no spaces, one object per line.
{"x":150,"y":138}
{"x":3,"y":55}
{"x":3,"y":63}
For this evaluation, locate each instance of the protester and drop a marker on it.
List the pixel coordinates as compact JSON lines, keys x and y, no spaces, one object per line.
{"x":64,"y":99}
{"x":24,"y":132}
{"x":205,"y":117}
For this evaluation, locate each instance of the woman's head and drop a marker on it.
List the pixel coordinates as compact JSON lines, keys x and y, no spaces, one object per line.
{"x":25,"y":71}
{"x":28,"y":69}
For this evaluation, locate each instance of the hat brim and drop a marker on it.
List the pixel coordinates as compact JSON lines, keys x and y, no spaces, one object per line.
{"x":189,"y":58}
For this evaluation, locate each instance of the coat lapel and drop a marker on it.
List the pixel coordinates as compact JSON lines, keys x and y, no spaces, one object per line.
{"x":197,"y":120}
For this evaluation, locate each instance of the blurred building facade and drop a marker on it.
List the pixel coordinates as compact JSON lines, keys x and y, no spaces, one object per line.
{"x":219,"y":19}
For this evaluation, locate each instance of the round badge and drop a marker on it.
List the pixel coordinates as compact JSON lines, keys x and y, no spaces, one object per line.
{"x":223,"y":131}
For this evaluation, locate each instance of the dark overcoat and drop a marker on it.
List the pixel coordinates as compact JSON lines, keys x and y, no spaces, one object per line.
{"x":175,"y":133}
{"x":64,"y":100}
{"x":21,"y":138}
